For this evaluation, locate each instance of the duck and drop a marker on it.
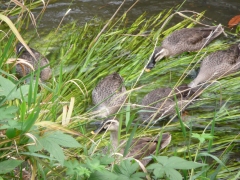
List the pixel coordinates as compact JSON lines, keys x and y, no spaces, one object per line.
{"x":109,"y":95}
{"x":140,"y":147}
{"x":218,"y":64}
{"x":184,"y":40}
{"x":162,"y":101}
{"x":40,"y":61}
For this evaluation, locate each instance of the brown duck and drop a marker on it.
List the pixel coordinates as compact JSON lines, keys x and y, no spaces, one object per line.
{"x":109,"y":95}
{"x":184,"y":40}
{"x":218,"y":64}
{"x":158,"y":98}
{"x":140,"y":147}
{"x":40,"y":61}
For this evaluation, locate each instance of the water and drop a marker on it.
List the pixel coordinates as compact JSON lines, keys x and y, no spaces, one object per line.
{"x":220,"y":11}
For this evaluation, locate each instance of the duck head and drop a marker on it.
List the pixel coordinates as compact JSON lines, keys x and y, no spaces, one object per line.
{"x":157,"y":55}
{"x":111,"y":125}
{"x":19,"y":48}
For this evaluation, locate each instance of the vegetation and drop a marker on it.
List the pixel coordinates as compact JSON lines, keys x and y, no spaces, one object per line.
{"x":45,"y":128}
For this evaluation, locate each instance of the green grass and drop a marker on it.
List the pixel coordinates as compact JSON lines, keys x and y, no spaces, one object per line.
{"x":78,"y":67}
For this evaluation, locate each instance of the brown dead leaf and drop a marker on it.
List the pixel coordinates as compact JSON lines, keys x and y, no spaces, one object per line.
{"x":234,"y":21}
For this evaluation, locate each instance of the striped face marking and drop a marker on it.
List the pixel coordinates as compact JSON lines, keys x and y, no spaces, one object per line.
{"x":159,"y":55}
{"x":19,"y":49}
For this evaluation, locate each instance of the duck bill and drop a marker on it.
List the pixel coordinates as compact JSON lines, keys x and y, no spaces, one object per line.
{"x":99,"y":129}
{"x":150,"y":65}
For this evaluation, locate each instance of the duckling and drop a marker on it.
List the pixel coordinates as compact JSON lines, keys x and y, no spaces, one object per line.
{"x":217,"y":64}
{"x":158,"y":98}
{"x":23,"y":70}
{"x":184,"y":40}
{"x":140,"y":147}
{"x":109,"y":95}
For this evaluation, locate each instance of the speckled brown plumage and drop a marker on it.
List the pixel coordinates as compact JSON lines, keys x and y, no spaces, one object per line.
{"x":109,"y":94}
{"x":23,"y":70}
{"x":217,"y":64}
{"x":140,"y":147}
{"x":156,"y":99}
{"x":185,"y":40}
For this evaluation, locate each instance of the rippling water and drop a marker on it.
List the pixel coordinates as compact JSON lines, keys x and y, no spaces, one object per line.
{"x":83,"y":10}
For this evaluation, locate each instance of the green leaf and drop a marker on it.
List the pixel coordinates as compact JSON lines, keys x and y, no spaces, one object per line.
{"x":138,"y":175}
{"x":10,"y":91}
{"x":38,"y":146}
{"x":62,"y":139}
{"x":94,"y":165}
{"x":7,"y":112}
{"x":11,"y":133}
{"x":202,"y":137}
{"x":172,"y":174}
{"x":158,"y":170}
{"x":50,"y":141}
{"x":178,"y":163}
{"x":75,"y":168}
{"x":128,"y":170}
{"x":15,"y":124}
{"x":53,"y":148}
{"x":104,"y":159}
{"x":167,"y":166}
{"x":9,"y":165}
{"x":104,"y":174}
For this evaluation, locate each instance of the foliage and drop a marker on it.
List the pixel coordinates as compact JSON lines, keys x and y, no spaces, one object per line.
{"x":166,"y":167}
{"x":8,"y":165}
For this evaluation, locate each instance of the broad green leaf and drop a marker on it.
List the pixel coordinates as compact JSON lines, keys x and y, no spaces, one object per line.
{"x":155,"y":166}
{"x":161,"y":159}
{"x":38,"y":146}
{"x":158,"y":170}
{"x":12,"y":124}
{"x":172,"y":174}
{"x":44,"y":142}
{"x":128,"y":169}
{"x":8,"y":89}
{"x":159,"y":173}
{"x":178,"y":163}
{"x":138,"y":175}
{"x":11,"y":133}
{"x":9,"y":165}
{"x":53,"y":148}
{"x":75,"y":168}
{"x":94,"y":165}
{"x":7,"y":112}
{"x":124,"y":168}
{"x":56,"y":137}
{"x":122,"y":177}
{"x":104,"y":159}
{"x":62,"y":139}
{"x":82,"y":171}
{"x":104,"y":174}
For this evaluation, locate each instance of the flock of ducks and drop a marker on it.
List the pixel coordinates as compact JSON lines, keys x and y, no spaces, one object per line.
{"x":110,"y":93}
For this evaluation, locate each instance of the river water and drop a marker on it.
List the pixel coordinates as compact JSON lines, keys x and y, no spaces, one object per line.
{"x":220,"y":11}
